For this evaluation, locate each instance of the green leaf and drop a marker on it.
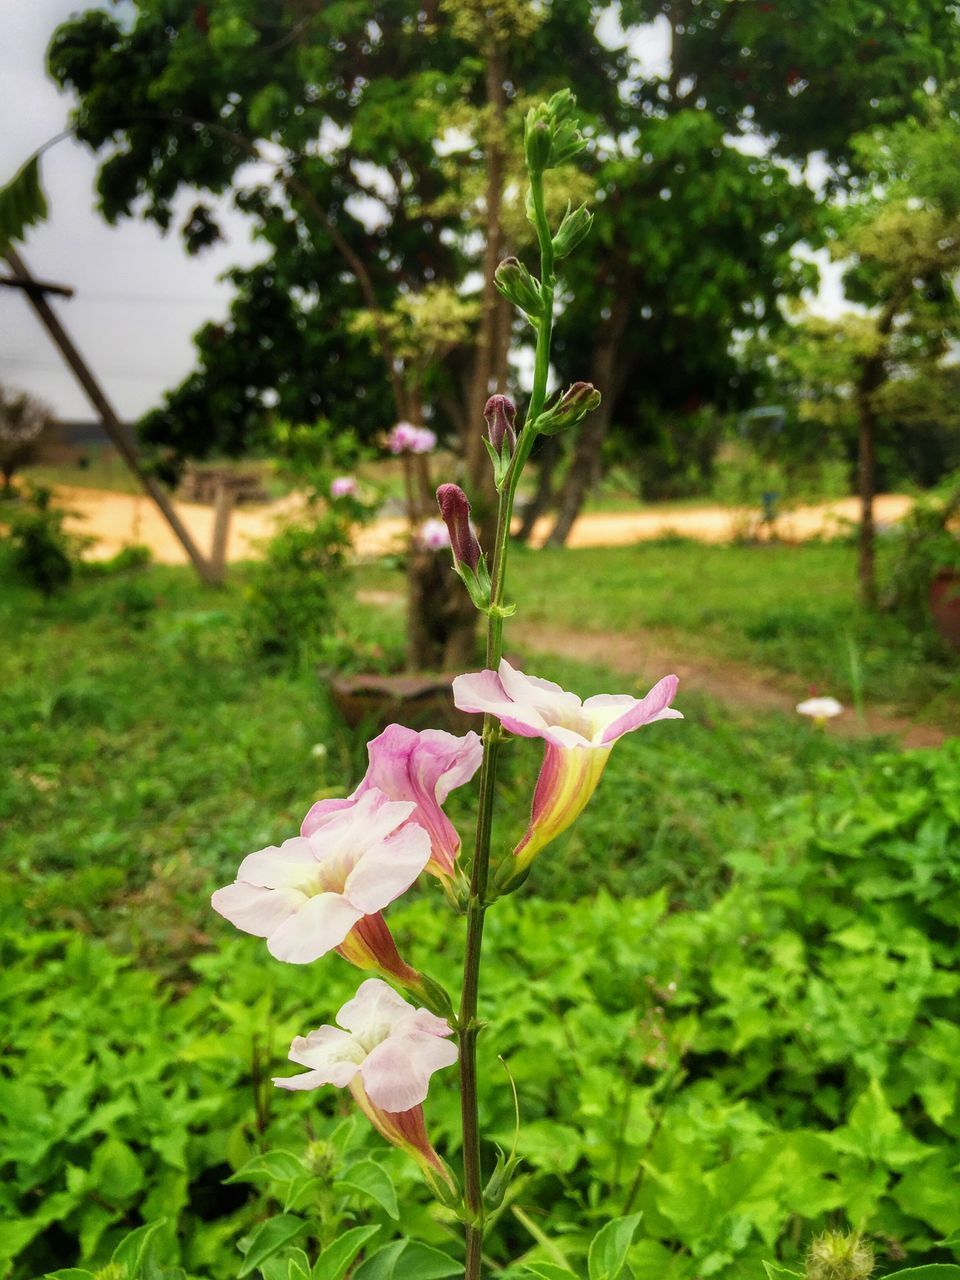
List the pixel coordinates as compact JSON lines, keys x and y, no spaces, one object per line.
{"x":115,"y":1172}
{"x":333,"y":1262}
{"x":547,"y":1270}
{"x":69,"y":1273}
{"x":132,"y":1249}
{"x":608,"y":1249}
{"x":268,"y":1239}
{"x":298,"y":1265}
{"x":277,"y":1166}
{"x":408,"y":1260}
{"x":776,"y":1272}
{"x":370,"y":1179}
{"x":22,"y":203}
{"x":931,"y":1271}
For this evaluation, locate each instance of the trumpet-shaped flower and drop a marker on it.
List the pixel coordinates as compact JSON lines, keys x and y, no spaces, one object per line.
{"x":385,"y":1052}
{"x":325,"y":891}
{"x":422,"y":768}
{"x":578,"y":738}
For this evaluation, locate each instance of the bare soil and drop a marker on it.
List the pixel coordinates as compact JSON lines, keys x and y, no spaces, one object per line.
{"x":114,"y":520}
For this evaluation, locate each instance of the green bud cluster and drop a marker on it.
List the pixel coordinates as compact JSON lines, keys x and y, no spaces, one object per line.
{"x":837,"y":1255}
{"x":550,"y":135}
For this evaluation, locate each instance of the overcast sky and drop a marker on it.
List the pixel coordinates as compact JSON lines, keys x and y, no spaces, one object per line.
{"x":139,"y":296}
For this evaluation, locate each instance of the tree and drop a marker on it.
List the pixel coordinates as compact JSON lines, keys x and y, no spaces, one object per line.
{"x":342,"y":109}
{"x":23,"y":420}
{"x":888,"y":367}
{"x":699,"y":234}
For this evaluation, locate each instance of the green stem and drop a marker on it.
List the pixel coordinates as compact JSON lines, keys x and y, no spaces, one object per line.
{"x":468,"y":1026}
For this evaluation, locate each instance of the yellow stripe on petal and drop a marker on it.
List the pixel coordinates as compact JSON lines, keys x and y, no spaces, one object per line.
{"x":568,"y":778}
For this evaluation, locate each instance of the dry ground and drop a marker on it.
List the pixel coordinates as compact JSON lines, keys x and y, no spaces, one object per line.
{"x":116,"y":520}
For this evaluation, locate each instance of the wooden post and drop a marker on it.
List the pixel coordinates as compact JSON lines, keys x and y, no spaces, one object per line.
{"x":222,"y":511}
{"x":125,"y":446}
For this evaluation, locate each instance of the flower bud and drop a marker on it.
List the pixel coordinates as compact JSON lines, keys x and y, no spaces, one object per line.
{"x":572,"y":230}
{"x":574,"y":405}
{"x":517,"y":285}
{"x":500,"y":414}
{"x":537,"y":136}
{"x":455,"y":510}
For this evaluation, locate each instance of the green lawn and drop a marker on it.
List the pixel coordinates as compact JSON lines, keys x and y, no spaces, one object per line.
{"x":790,"y":613}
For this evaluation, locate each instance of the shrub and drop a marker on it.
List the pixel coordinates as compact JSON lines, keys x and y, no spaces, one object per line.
{"x":44,"y":555}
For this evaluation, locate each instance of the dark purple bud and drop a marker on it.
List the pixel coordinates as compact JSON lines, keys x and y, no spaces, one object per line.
{"x":455,"y":511}
{"x":501,"y":413}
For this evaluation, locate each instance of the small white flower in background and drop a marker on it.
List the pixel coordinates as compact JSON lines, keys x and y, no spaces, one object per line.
{"x":820,"y":708}
{"x":434,"y":535}
{"x":318,"y":751}
{"x":343,"y":487}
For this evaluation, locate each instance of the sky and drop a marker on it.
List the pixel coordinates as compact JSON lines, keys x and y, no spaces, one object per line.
{"x":139,"y":295}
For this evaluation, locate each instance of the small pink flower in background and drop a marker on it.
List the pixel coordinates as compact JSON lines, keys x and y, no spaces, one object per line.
{"x":325,"y":891}
{"x":343,"y":487}
{"x":401,"y":437}
{"x":419,"y":767}
{"x":578,"y":738}
{"x":384,"y":1052}
{"x":406,"y":438}
{"x":433,"y":535}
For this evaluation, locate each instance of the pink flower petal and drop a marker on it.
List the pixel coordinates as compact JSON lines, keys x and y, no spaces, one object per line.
{"x":375,"y":1010}
{"x":482,"y":692}
{"x":655,"y":706}
{"x":319,"y":813}
{"x":388,"y":869}
{"x":331,"y":1051}
{"x":306,"y":1080}
{"x":254,"y":909}
{"x":396,"y":1075}
{"x":286,"y":866}
{"x":316,"y":927}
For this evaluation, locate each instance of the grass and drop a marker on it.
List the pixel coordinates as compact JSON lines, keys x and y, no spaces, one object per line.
{"x":146,"y":747}
{"x":789,"y":613}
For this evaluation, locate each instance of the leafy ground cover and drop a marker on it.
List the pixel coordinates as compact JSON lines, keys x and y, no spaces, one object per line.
{"x":726,"y":994}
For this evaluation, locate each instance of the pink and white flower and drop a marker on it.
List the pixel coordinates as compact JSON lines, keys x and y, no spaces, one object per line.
{"x":434,"y":535}
{"x":578,"y":737}
{"x":384,"y":1051}
{"x":326,"y":891}
{"x":406,"y":438}
{"x":343,"y":487}
{"x":422,"y":768}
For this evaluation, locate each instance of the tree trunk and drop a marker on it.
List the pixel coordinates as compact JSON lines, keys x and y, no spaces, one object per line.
{"x":608,"y":376}
{"x":548,"y":457}
{"x":866,"y":480}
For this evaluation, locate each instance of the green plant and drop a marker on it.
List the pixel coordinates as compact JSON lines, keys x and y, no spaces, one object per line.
{"x":43,"y":553}
{"x":926,"y":544}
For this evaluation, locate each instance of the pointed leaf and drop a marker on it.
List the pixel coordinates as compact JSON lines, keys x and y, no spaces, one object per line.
{"x":547,"y":1270}
{"x":371,"y":1180}
{"x":277,"y":1166}
{"x":132,"y":1249}
{"x":333,"y":1262}
{"x":608,"y":1249}
{"x":22,"y":203}
{"x":268,"y":1239}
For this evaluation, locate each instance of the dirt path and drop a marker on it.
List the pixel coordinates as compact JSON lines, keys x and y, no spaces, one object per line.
{"x":644,"y":659}
{"x":115,"y":520}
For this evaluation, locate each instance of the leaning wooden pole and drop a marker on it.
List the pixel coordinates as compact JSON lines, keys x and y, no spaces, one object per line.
{"x":111,"y":423}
